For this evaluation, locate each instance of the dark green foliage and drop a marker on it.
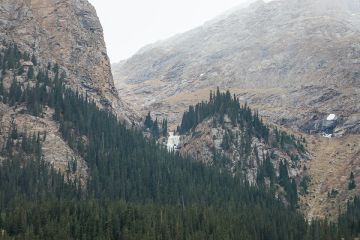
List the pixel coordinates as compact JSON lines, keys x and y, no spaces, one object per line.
{"x":333,"y":193}
{"x":288,"y":184}
{"x":349,"y":222}
{"x":55,"y":68}
{"x":288,"y":143}
{"x":164,"y":127}
{"x":226,"y":143}
{"x":15,"y":93}
{"x":34,"y":60}
{"x":266,"y":170}
{"x":219,"y":105}
{"x":21,"y":70}
{"x":148,"y":121}
{"x":10,"y":57}
{"x":352,"y":184}
{"x":30,"y":74}
{"x":304,"y":184}
{"x":155,"y":129}
{"x":26,"y":56}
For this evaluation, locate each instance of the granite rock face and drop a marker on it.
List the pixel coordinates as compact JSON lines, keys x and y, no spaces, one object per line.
{"x":67,"y":32}
{"x":303,"y":56}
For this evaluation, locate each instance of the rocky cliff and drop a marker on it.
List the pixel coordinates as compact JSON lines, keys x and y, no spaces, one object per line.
{"x":67,"y":32}
{"x":39,"y":38}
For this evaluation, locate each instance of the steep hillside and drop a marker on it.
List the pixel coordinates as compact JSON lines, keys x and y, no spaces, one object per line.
{"x":223,"y":133}
{"x":295,"y":60}
{"x":48,"y":40}
{"x":66,"y":32}
{"x":333,"y":161}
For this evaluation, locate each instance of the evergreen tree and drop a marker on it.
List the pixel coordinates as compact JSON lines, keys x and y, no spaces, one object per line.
{"x":155,"y":130}
{"x":148,"y":121}
{"x":30,"y":73}
{"x":34,"y":60}
{"x":226,"y":142}
{"x":164,"y":128}
{"x":352,"y":184}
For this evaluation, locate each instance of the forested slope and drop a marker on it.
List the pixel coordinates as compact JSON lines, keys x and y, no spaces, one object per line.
{"x":135,"y":189}
{"x":228,"y":135}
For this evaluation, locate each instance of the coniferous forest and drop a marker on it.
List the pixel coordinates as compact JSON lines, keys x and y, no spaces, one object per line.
{"x":136,"y":189}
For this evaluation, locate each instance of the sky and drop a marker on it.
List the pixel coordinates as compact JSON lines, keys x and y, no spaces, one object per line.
{"x":131,"y":24}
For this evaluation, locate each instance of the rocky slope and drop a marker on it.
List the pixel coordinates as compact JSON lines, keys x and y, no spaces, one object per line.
{"x":207,"y":138}
{"x":297,"y":59}
{"x":332,"y":162}
{"x":67,"y":32}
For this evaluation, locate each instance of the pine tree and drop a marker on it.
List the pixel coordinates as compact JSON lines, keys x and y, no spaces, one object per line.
{"x":155,"y":130}
{"x":34,"y":60}
{"x":21,"y":70}
{"x":164,"y":127}
{"x":30,"y":73}
{"x":148,"y":124}
{"x":352,"y":184}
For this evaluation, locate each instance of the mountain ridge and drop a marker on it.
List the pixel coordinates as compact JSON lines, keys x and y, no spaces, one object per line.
{"x":280,"y":45}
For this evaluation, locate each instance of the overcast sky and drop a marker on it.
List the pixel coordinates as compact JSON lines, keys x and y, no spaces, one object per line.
{"x":131,"y":24}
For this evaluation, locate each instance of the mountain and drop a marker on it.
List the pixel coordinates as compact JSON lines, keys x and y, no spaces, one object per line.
{"x":42,"y":40}
{"x":295,"y":61}
{"x":72,"y":168}
{"x":68,"y":33}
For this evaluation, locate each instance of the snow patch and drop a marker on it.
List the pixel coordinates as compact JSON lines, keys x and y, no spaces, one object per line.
{"x":331,"y":117}
{"x":325,"y":135}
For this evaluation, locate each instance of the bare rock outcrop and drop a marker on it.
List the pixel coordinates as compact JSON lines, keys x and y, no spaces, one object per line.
{"x":69,"y":33}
